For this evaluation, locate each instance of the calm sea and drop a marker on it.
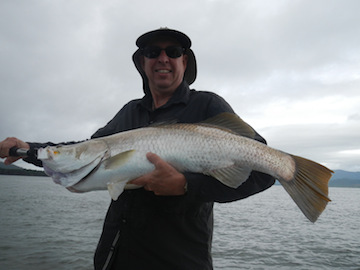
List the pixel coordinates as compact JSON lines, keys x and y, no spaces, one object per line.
{"x":43,"y":226}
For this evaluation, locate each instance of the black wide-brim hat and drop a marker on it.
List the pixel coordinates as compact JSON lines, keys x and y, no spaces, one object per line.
{"x":185,"y":42}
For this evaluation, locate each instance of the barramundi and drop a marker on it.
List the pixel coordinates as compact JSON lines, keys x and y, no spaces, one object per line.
{"x":222,"y":147}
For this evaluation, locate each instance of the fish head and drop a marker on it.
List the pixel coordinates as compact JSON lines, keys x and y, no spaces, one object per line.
{"x":67,"y":165}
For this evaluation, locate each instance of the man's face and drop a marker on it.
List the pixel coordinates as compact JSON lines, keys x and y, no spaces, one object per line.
{"x":163,"y":72}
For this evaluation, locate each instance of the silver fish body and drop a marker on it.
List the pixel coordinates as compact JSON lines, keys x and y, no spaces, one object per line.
{"x":222,"y":147}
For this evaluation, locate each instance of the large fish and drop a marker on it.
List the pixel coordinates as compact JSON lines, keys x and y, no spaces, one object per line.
{"x":222,"y":147}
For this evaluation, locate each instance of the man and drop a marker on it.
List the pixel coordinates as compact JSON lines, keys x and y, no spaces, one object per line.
{"x":168,"y":223}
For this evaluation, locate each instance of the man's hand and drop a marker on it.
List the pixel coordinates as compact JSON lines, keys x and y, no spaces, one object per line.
{"x":8,"y":143}
{"x":164,"y":180}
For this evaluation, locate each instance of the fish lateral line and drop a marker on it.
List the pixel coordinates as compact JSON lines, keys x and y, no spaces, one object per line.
{"x":238,"y":155}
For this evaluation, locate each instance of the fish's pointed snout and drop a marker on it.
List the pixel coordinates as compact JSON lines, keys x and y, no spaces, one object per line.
{"x":52,"y":153}
{"x":43,"y":153}
{"x":48,"y":153}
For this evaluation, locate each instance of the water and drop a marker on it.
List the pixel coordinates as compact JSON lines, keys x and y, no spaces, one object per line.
{"x":43,"y":226}
{"x":268,"y":231}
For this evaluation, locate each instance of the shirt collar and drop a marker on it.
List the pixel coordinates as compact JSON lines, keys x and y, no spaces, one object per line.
{"x":181,"y":95}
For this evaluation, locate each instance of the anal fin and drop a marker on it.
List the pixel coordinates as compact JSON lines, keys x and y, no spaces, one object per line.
{"x":231,"y":176}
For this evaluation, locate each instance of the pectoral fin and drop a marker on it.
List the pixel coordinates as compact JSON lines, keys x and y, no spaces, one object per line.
{"x":118,"y":160}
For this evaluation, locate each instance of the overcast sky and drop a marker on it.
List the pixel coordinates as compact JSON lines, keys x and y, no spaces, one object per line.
{"x":289,"y":68}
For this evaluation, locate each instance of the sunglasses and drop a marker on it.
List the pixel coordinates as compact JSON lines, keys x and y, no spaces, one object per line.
{"x":171,"y":51}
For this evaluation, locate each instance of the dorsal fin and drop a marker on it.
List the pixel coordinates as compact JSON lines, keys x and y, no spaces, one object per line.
{"x":232,"y":122}
{"x":164,"y":123}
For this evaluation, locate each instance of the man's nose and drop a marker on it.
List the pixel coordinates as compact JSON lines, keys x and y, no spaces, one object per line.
{"x":163,"y":56}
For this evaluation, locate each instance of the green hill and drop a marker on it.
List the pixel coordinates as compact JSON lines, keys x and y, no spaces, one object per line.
{"x":16,"y":170}
{"x":345,"y":179}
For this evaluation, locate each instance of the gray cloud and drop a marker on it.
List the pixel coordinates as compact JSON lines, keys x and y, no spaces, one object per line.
{"x":289,"y":68}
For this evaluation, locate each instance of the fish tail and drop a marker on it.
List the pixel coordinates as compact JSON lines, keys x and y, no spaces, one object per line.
{"x":309,"y":187}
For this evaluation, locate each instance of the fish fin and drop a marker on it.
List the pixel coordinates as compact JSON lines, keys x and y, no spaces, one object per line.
{"x":116,"y":188}
{"x":118,"y":160}
{"x":231,"y":176}
{"x":232,"y":122}
{"x":132,"y":186}
{"x":309,"y":187}
{"x":164,"y":123}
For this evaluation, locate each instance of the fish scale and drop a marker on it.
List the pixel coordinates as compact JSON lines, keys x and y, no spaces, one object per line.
{"x":222,"y":147}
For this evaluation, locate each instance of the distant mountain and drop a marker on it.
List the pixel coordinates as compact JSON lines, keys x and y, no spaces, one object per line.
{"x":345,"y":179}
{"x":16,"y":170}
{"x":342,"y":178}
{"x":9,"y":167}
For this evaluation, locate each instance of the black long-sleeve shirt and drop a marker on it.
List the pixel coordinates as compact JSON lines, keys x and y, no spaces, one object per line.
{"x":145,"y":231}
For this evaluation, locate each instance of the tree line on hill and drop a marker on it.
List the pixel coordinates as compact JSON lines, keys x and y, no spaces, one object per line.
{"x":16,"y":170}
